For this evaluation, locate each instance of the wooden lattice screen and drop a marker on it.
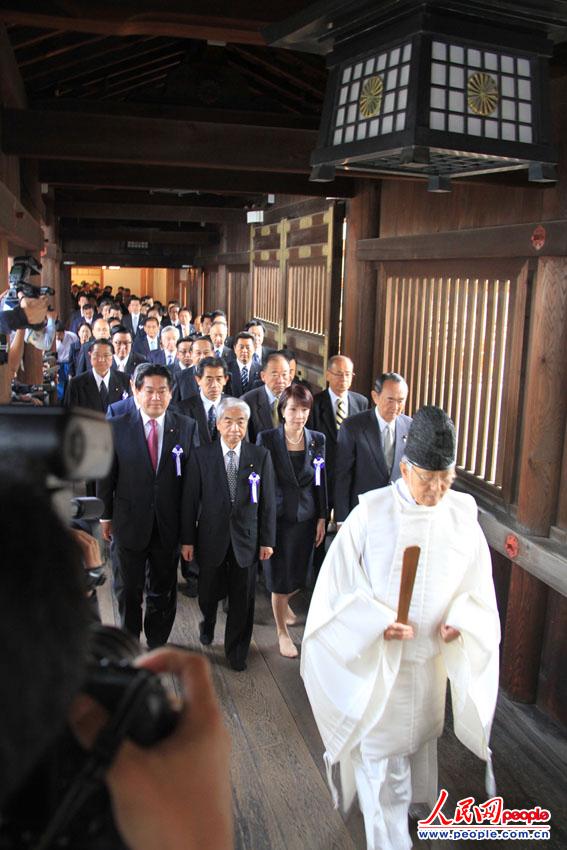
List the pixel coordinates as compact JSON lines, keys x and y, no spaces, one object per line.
{"x":266,"y":292}
{"x":306,"y":291}
{"x":456,"y":338}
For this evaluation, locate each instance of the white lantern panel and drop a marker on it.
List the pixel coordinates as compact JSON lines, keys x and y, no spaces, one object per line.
{"x":457,"y":54}
{"x":525,"y":113}
{"x":392,"y":79}
{"x":389,"y":102}
{"x":349,"y":134}
{"x":509,"y":131}
{"x":338,"y":137}
{"x":491,"y":61}
{"x":491,"y":129}
{"x":456,"y":101}
{"x":357,"y":71}
{"x":400,"y":121}
{"x":525,"y":134}
{"x":369,"y":67}
{"x":508,"y":109}
{"x":438,"y":74}
{"x":474,"y":58}
{"x":404,"y":75}
{"x":524,"y":69}
{"x":343,"y":95}
{"x":407,"y":53}
{"x":439,"y":50}
{"x":438,"y":98}
{"x":456,"y":78}
{"x":394,"y":57}
{"x":387,"y":124}
{"x":524,"y":89}
{"x":437,"y":120}
{"x":361,"y":132}
{"x":346,"y":75}
{"x":474,"y":126}
{"x":507,"y":86}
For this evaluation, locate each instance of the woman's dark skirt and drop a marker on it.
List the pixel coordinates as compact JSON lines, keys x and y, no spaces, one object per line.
{"x":290,"y":566}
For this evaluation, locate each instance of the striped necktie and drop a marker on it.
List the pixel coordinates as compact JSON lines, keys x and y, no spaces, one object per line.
{"x":275,"y":414}
{"x":244,"y":379}
{"x":340,"y":414}
{"x":212,"y":421}
{"x":231,"y":473}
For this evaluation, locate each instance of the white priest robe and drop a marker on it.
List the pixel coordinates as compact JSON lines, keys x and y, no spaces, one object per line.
{"x":389,"y":696}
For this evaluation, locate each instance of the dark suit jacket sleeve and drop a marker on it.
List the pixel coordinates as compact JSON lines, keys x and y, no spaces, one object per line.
{"x":105,"y":488}
{"x":322,"y":496}
{"x":190,"y":500}
{"x":344,"y":471}
{"x":267,"y":506}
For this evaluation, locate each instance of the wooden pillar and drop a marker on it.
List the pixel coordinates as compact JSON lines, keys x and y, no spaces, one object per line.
{"x":5,"y":377}
{"x":552,"y":694}
{"x":545,"y":408}
{"x":359,"y":289}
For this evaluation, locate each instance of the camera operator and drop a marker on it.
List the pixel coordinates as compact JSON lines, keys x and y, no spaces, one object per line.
{"x":174,"y":795}
{"x":31,"y":311}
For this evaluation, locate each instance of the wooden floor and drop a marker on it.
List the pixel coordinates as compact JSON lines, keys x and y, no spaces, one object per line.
{"x":281,"y":801}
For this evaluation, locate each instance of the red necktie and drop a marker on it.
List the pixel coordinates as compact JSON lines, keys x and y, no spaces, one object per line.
{"x":153,"y":443}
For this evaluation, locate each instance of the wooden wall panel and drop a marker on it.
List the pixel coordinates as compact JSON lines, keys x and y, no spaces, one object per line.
{"x":552,"y":694}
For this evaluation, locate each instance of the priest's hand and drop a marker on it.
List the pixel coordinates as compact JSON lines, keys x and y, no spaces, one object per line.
{"x":448,"y":633}
{"x":399,"y":631}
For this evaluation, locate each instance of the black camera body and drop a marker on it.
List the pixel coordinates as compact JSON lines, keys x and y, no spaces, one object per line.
{"x":65,"y":802}
{"x":22,"y":269}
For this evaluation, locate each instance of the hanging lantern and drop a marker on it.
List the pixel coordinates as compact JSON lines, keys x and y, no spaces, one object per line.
{"x":436,"y":93}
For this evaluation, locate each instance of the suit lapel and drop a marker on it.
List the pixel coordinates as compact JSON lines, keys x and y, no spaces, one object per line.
{"x":311,"y":452}
{"x":201,"y":417}
{"x":265,"y":411}
{"x":328,"y":415}
{"x":93,"y":391}
{"x":217,"y":449}
{"x":170,"y":439}
{"x":139,"y":436}
{"x":284,"y":461}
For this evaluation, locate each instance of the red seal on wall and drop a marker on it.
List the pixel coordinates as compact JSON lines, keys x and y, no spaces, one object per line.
{"x":512,"y":546}
{"x":538,"y":237}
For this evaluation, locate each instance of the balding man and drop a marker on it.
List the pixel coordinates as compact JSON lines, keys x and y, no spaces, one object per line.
{"x":371,"y":444}
{"x":332,"y":407}
{"x":101,"y":330}
{"x":263,"y":401}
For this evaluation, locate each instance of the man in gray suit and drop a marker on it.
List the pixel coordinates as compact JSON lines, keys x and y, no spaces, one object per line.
{"x":371,"y":444}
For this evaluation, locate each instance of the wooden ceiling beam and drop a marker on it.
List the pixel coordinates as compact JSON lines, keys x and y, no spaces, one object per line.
{"x":59,"y":135}
{"x":126,"y":22}
{"x":142,"y":212}
{"x":160,"y":258}
{"x":109,"y":175}
{"x":71,"y":236}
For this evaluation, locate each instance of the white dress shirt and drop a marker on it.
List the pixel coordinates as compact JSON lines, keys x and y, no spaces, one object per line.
{"x":120,"y":364}
{"x":226,"y":450}
{"x":100,"y":380}
{"x":160,"y":428}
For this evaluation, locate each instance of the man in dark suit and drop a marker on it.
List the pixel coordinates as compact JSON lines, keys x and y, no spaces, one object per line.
{"x":332,"y":407}
{"x":146,"y":496}
{"x":82,"y":363}
{"x":185,"y":383}
{"x":263,"y":401}
{"x":256,"y":328}
{"x":371,"y":444}
{"x":233,"y":502}
{"x":167,"y":355}
{"x":134,"y":318}
{"x":147,"y":340}
{"x":99,"y":386}
{"x":218,"y":334}
{"x":243,"y":372}
{"x":125,"y":360}
{"x":211,"y":375}
{"x":87,"y":315}
{"x":211,"y":378}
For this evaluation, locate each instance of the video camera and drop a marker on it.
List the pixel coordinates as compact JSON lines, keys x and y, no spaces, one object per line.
{"x":64,"y":802}
{"x":20,"y":273}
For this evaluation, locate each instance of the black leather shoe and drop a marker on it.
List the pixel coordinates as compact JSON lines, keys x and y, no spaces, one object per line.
{"x":190,"y":589}
{"x":206,"y":633}
{"x":237,"y":665}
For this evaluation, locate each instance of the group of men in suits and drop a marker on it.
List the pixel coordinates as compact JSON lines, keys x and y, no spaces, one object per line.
{"x":166,"y":493}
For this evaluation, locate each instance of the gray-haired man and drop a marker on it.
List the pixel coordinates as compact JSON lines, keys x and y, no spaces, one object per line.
{"x":233,"y":499}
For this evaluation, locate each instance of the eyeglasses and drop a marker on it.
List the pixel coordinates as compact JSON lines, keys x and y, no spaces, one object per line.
{"x":342,"y":374}
{"x":443,"y":477}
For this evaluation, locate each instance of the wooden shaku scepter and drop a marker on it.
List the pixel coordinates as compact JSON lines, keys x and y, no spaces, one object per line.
{"x":409,"y":569}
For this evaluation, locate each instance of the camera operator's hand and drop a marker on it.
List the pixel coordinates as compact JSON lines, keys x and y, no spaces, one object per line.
{"x":89,"y":547}
{"x":175,"y":795}
{"x":35,"y":309}
{"x":106,"y":529}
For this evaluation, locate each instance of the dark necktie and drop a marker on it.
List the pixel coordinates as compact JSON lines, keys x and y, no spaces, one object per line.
{"x":104,"y":396}
{"x":244,"y":379}
{"x":212,"y":421}
{"x":231,"y":473}
{"x":388,"y":448}
{"x":153,"y":443}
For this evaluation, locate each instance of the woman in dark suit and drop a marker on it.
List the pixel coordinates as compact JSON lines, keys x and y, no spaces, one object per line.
{"x":298,"y":456}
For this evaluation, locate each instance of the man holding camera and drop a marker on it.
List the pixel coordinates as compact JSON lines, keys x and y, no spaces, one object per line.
{"x":173,"y":794}
{"x":145,"y":500}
